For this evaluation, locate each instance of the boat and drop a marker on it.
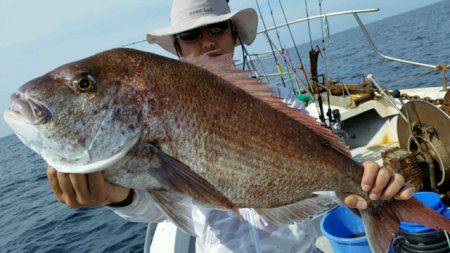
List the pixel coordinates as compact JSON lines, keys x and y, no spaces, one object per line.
{"x":406,"y":130}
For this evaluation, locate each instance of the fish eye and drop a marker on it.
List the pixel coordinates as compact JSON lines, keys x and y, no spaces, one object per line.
{"x":85,"y":84}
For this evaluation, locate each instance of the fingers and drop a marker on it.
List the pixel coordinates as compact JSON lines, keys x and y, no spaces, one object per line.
{"x":396,"y":183}
{"x":97,"y":186}
{"x":54,"y":184}
{"x":383,"y":178}
{"x":355,"y":201}
{"x":80,"y":185}
{"x":406,"y":192}
{"x":78,"y":190}
{"x":69,"y":194}
{"x":370,"y":174}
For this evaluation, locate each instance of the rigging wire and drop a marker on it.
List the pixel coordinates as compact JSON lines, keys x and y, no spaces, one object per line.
{"x":268,"y":38}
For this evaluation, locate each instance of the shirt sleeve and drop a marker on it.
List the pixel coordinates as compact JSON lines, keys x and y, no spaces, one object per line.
{"x":142,"y":209}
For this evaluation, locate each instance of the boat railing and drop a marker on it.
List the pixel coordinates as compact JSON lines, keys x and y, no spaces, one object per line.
{"x":442,"y":68}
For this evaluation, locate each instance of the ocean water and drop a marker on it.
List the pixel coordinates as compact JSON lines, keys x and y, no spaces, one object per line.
{"x":31,"y":220}
{"x":422,"y":35}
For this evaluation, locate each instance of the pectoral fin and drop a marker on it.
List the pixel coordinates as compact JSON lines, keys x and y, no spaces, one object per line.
{"x":177,"y":209}
{"x":182,"y":179}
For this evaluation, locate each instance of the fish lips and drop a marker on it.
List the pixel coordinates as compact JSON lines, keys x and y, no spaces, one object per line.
{"x":27,"y":109}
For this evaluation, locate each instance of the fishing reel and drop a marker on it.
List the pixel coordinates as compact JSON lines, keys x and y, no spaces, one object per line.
{"x":423,"y":132}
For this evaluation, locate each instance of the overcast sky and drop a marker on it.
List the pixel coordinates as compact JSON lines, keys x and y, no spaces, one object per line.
{"x":38,"y":36}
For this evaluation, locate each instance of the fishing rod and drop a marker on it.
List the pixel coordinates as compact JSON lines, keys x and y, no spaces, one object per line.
{"x":271,"y":46}
{"x":323,"y":39}
{"x":309,"y":25}
{"x":313,"y":55}
{"x":295,"y":73}
{"x":283,"y":50}
{"x":324,"y":58}
{"x":300,"y":65}
{"x":275,"y":25}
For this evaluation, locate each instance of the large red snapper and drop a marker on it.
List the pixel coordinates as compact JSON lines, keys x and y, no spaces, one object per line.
{"x":179,"y":131}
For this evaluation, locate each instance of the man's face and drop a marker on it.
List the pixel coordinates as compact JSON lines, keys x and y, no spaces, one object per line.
{"x":208,"y":38}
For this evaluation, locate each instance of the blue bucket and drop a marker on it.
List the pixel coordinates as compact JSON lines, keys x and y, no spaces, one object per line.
{"x":433,"y":201}
{"x":345,"y":231}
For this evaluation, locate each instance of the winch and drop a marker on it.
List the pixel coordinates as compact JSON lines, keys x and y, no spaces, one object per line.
{"x":423,"y":156}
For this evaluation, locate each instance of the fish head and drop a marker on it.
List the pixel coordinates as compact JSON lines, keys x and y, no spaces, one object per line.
{"x":83,"y":116}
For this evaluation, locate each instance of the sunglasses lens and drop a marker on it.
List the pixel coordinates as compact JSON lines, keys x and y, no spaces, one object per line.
{"x":190,"y":35}
{"x":218,"y":28}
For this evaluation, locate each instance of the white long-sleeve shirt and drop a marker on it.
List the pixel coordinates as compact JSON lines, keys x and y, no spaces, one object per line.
{"x":222,"y":232}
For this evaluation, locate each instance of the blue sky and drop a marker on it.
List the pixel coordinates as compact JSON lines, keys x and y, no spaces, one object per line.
{"x":38,"y":36}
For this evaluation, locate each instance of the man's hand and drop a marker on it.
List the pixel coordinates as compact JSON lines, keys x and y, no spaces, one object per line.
{"x":81,"y":190}
{"x":380,"y":184}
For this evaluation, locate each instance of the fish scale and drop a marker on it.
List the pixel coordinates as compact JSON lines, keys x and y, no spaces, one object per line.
{"x":208,"y":133}
{"x":261,"y":125}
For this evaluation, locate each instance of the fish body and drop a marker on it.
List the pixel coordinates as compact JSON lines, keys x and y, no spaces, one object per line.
{"x":179,"y":130}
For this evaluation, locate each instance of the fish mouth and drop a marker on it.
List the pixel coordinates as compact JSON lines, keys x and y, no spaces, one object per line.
{"x":28,"y":110}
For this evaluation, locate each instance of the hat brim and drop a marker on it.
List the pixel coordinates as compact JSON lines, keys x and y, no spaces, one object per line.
{"x":245,"y":21}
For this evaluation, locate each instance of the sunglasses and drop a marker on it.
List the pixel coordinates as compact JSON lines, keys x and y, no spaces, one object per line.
{"x":214,"y":30}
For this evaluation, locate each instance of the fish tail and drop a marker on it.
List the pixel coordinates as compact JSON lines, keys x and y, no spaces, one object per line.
{"x":382,"y":222}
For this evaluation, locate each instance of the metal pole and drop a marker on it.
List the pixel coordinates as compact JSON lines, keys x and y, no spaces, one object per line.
{"x":443,"y":80}
{"x":372,"y":45}
{"x":370,"y":77}
{"x":331,"y":14}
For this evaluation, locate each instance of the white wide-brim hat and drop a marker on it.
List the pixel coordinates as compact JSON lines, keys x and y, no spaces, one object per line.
{"x":191,"y":14}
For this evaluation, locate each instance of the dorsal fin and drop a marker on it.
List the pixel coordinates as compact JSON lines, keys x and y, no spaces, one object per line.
{"x":224,"y":67}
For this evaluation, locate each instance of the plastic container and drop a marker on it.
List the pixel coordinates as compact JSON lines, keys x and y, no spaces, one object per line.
{"x":430,"y":199}
{"x":431,"y":242}
{"x":345,"y":231}
{"x":415,"y":238}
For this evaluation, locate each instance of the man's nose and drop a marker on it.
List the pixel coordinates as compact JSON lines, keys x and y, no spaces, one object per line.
{"x":207,"y":42}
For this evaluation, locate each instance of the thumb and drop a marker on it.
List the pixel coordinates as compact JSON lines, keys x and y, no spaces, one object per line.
{"x":117,"y":193}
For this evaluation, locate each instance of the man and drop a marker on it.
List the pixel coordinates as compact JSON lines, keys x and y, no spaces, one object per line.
{"x":208,"y":27}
